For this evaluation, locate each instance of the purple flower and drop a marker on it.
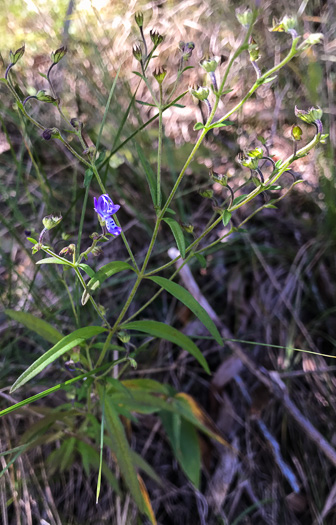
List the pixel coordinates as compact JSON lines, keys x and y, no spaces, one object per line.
{"x":105,"y":208}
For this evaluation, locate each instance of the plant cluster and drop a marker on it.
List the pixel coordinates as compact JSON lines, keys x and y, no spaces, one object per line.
{"x":101,"y":377}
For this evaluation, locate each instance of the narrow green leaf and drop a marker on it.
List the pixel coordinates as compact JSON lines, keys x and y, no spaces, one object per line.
{"x":101,"y":447}
{"x":104,"y":273}
{"x":121,"y":449}
{"x":150,"y":176}
{"x":178,"y":234}
{"x":239,"y":199}
{"x":178,"y":106}
{"x":30,"y":239}
{"x":40,"y":327}
{"x":186,"y":448}
{"x":107,"y":107}
{"x":164,"y":331}
{"x":65,"y":344}
{"x":188,"y":300}
{"x":87,"y":269}
{"x":226,"y":217}
{"x":145,"y":103}
{"x":201,"y":259}
{"x":138,"y":74}
{"x":90,"y":457}
{"x":221,"y":124}
{"x":54,"y":260}
{"x":198,"y":126}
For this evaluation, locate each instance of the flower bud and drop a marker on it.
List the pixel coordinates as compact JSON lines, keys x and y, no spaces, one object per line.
{"x":296,"y":133}
{"x":137,"y":53}
{"x":218,"y":177}
{"x":96,"y":251}
{"x":89,"y":150}
{"x":124,"y":336}
{"x":310,"y":116}
{"x":36,"y":248}
{"x":43,"y":97}
{"x":68,"y":250}
{"x":57,"y":55}
{"x":50,"y":133}
{"x":15,"y":57}
{"x":288,"y":24}
{"x":187,"y":49}
{"x":187,"y":227}
{"x":253,"y":50}
{"x":159,"y":74}
{"x":139,"y":18}
{"x":247,"y":161}
{"x":206,"y":194}
{"x":133,"y":363}
{"x":244,"y":16}
{"x":311,"y":40}
{"x":256,"y":153}
{"x":50,"y":221}
{"x":156,"y":38}
{"x":75,"y":123}
{"x":201,"y":93}
{"x":209,"y":64}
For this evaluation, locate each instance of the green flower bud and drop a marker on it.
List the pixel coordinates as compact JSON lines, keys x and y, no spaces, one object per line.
{"x":159,"y":74}
{"x":187,"y":227}
{"x":311,"y":116}
{"x":209,"y":64}
{"x":288,"y":24}
{"x":15,"y":57}
{"x":156,"y":38}
{"x":256,"y":153}
{"x":206,"y":194}
{"x":124,"y":336}
{"x":218,"y":177}
{"x":201,"y":93}
{"x":247,"y":161}
{"x":57,"y":55}
{"x":311,"y":40}
{"x":137,"y":53}
{"x":133,"y":363}
{"x":139,"y":18}
{"x":36,"y":248}
{"x":296,"y":133}
{"x":43,"y":97}
{"x":50,"y":221}
{"x":253,"y":50}
{"x":244,"y":16}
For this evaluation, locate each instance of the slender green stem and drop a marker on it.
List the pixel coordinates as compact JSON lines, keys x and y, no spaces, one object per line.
{"x":159,"y":156}
{"x":71,"y":301}
{"x":105,"y":348}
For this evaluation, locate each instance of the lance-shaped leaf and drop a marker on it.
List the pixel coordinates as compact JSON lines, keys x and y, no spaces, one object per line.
{"x":104,"y":273}
{"x":40,"y":327}
{"x":185,"y":444}
{"x":186,"y":298}
{"x":121,"y":449}
{"x":164,"y":331}
{"x":178,"y":235}
{"x":57,"y":55}
{"x":147,"y":502}
{"x":65,"y":344}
